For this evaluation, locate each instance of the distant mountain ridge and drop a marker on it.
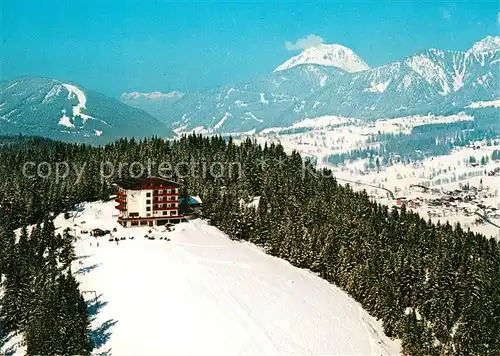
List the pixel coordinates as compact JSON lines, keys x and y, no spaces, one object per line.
{"x":153,"y":95}
{"x":322,"y":80}
{"x":154,"y":103}
{"x":311,"y":85}
{"x":51,"y":108}
{"x":433,"y":81}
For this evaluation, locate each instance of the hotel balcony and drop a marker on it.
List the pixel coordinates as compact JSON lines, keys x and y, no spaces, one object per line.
{"x":164,"y":194}
{"x":121,"y":200}
{"x":121,"y":193}
{"x":121,"y":207}
{"x":164,"y":201}
{"x":157,"y":208}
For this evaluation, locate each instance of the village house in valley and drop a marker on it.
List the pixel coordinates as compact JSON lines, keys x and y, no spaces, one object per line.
{"x":147,"y":201}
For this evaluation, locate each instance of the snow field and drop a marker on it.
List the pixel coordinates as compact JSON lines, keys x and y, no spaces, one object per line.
{"x":204,"y":294}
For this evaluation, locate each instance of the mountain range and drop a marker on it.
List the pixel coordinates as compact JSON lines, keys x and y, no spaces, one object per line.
{"x":333,"y":80}
{"x":321,"y":80}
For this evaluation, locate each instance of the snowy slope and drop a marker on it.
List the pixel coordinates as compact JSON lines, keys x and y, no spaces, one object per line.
{"x":485,"y":104}
{"x":51,"y":108}
{"x":323,"y":136}
{"x":81,"y":106}
{"x":203,"y":294}
{"x":333,"y":55}
{"x":250,"y":104}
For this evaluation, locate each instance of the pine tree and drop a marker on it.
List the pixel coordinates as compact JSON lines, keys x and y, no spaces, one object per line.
{"x":67,"y":255}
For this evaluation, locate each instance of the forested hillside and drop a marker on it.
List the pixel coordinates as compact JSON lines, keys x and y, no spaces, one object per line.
{"x":428,"y":140}
{"x":436,"y":287}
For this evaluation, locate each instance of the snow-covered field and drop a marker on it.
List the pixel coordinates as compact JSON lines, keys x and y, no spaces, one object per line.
{"x":203,"y":294}
{"x":326,"y":135}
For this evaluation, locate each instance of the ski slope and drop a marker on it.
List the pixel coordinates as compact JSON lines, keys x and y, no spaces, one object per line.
{"x":203,"y":294}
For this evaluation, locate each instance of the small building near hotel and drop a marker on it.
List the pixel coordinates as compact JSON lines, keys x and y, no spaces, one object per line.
{"x":193,"y":204}
{"x":148,"y":201}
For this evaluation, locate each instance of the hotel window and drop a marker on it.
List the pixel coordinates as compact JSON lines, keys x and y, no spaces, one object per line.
{"x":174,"y":212}
{"x":148,"y":194}
{"x":148,"y":201}
{"x":165,"y":213}
{"x":148,"y":208}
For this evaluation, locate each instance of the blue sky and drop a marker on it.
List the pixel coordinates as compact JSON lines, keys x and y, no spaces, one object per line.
{"x":116,"y":46}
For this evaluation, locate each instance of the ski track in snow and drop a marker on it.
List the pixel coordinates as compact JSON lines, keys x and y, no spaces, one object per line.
{"x":203,"y":294}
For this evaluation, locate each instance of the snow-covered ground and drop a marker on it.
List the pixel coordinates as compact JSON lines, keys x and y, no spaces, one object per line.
{"x":440,"y":174}
{"x":326,"y":135}
{"x":323,"y":136}
{"x":485,"y":104}
{"x":203,"y":294}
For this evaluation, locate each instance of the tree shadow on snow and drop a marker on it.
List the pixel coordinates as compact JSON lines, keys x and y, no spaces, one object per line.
{"x":94,"y":306}
{"x":83,"y":257}
{"x":85,"y":270}
{"x":102,"y":333}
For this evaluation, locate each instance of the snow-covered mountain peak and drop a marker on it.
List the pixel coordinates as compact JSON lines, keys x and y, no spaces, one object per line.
{"x":487,"y":44}
{"x":333,"y":55}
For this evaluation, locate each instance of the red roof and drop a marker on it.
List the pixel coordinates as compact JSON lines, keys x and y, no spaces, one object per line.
{"x":147,"y":182}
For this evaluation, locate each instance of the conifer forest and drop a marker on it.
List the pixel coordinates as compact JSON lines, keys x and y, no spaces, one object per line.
{"x":436,"y":287}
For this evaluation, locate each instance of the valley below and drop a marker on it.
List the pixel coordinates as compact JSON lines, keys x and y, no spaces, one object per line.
{"x":461,"y":186}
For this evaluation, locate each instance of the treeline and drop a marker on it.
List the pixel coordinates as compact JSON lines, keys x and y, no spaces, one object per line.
{"x":435,"y":287}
